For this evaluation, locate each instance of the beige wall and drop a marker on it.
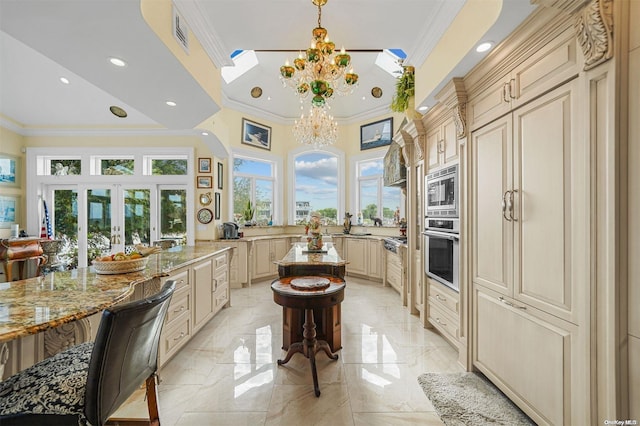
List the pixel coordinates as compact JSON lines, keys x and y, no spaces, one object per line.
{"x":633,"y":213}
{"x":12,"y":143}
{"x":475,"y":18}
{"x":157,"y":13}
{"x":226,"y":125}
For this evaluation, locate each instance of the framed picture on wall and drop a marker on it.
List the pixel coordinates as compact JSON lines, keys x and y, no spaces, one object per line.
{"x":204,"y":165}
{"x":217,"y":205}
{"x":9,"y":170}
{"x":376,"y":134}
{"x":256,"y":134}
{"x":9,"y":206}
{"x":205,"y":182}
{"x":220,"y":176}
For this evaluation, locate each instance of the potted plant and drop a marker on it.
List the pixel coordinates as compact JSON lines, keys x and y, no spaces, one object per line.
{"x":248,"y":213}
{"x":404,"y":98}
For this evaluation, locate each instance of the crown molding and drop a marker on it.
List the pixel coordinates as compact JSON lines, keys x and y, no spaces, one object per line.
{"x":431,"y":34}
{"x":204,"y":32}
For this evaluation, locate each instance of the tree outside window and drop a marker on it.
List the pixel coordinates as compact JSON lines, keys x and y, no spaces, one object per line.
{"x":376,"y":201}
{"x":253,"y":182}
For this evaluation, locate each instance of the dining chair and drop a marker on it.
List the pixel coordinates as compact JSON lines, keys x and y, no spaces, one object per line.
{"x":87,"y":383}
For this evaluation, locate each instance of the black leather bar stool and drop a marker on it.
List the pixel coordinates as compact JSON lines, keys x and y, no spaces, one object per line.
{"x":88,"y":382}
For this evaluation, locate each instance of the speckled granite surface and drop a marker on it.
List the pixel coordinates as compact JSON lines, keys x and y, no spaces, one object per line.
{"x":36,"y":304}
{"x":298,"y":255}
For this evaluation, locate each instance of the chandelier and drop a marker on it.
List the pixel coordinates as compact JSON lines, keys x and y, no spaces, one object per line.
{"x":317,"y":129}
{"x":320,"y":71}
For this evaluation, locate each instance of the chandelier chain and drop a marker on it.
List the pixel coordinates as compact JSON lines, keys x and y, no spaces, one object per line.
{"x":320,"y":72}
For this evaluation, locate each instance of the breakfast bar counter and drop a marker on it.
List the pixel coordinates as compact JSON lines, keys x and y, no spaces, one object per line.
{"x":36,"y":304}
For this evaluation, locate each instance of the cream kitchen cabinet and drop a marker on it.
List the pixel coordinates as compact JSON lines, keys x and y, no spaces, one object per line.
{"x":547,"y":68}
{"x":395,"y":272}
{"x":364,"y":256}
{"x":238,"y":268}
{"x":210,"y":288}
{"x":178,"y":325}
{"x":444,"y":311}
{"x":529,"y":203}
{"x":530,"y":259}
{"x":264,"y":252}
{"x":338,"y":243}
{"x":202,"y":289}
{"x":535,"y":358}
{"x":442,"y":145}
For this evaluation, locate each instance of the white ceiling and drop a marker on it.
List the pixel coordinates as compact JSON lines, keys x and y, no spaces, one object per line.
{"x":42,"y":40}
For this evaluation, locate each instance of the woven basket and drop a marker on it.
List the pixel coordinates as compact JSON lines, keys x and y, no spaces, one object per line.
{"x":120,"y":266}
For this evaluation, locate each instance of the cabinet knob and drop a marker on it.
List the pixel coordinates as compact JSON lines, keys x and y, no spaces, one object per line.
{"x":440,"y":322}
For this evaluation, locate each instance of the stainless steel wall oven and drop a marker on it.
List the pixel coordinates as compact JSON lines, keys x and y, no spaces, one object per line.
{"x":442,"y":251}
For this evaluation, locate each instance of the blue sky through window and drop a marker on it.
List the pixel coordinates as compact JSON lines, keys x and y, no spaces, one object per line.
{"x":316,"y":177}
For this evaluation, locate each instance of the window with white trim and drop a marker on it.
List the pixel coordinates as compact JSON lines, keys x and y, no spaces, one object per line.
{"x":254,"y":190}
{"x":374,"y":200}
{"x":316,"y":186}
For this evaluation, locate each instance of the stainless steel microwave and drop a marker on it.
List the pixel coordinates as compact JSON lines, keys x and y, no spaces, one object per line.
{"x":441,"y":188}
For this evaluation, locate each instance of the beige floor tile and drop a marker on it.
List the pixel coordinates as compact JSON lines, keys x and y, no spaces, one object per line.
{"x":397,"y":419}
{"x":298,"y":405}
{"x":227,"y":373}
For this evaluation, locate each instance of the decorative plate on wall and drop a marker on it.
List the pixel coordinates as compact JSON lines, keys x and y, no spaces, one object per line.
{"x":205,"y":215}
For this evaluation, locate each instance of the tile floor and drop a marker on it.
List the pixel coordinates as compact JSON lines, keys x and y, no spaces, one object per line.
{"x":227,"y":374}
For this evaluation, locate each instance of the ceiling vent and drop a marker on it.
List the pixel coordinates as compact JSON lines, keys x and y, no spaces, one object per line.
{"x":180,"y":30}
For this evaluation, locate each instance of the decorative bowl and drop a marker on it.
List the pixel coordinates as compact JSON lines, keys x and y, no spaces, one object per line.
{"x":120,"y":266}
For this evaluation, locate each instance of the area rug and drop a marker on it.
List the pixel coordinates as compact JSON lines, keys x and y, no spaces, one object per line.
{"x":470,"y":399}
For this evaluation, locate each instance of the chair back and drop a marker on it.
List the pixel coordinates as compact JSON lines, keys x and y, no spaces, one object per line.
{"x":125,"y":352}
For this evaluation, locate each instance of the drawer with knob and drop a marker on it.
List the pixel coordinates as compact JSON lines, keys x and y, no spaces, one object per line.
{"x":445,"y":298}
{"x":444,"y":322}
{"x":173,"y":338}
{"x":180,"y":305}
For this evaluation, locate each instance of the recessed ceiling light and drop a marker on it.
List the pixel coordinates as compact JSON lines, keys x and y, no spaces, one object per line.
{"x":117,"y":62}
{"x":171,"y":103}
{"x":117,"y":111}
{"x":64,"y":80}
{"x":268,"y":98}
{"x":205,"y":134}
{"x":423,"y":108}
{"x":483,"y":47}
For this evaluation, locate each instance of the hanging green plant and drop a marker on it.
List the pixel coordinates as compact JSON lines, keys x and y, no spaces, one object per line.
{"x":405,"y":89}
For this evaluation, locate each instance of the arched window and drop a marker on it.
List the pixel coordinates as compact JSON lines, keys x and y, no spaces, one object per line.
{"x":317,"y":185}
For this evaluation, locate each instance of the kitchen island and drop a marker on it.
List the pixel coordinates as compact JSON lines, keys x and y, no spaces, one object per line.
{"x":299,"y":262}
{"x":43,"y":315}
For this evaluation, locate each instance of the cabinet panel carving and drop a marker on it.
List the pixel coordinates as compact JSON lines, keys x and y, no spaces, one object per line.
{"x":594,"y":28}
{"x":65,"y":336}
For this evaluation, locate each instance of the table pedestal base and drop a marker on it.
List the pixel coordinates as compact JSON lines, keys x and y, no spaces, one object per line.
{"x":309,"y":347}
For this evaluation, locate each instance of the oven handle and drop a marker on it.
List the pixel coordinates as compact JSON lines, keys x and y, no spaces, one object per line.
{"x":452,"y":237}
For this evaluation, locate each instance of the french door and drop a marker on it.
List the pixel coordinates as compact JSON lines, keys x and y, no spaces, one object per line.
{"x":93,"y":220}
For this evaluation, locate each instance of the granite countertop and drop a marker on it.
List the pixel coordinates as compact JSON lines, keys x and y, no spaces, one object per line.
{"x":298,"y":255}
{"x":299,"y":236}
{"x":36,"y":304}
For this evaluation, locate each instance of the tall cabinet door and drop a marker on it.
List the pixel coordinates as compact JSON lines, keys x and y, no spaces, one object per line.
{"x":492,"y":250}
{"x":551,"y":203}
